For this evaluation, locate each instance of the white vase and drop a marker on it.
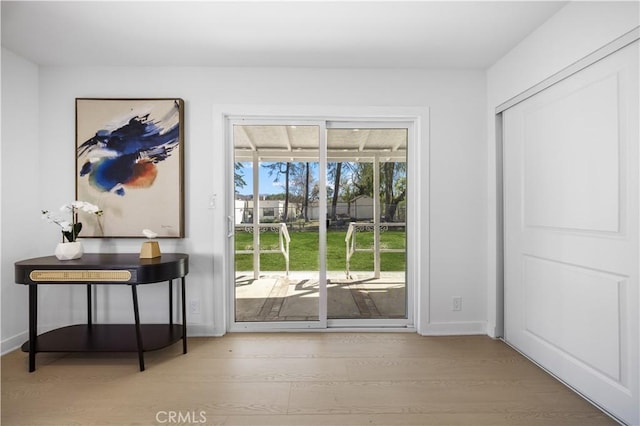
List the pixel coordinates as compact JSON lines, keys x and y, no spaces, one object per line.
{"x":69,"y":251}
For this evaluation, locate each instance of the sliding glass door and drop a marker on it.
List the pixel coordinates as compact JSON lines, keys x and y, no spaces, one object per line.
{"x":319,"y":224}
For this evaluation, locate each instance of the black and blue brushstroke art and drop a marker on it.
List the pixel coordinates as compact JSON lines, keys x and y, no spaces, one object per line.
{"x":126,"y":156}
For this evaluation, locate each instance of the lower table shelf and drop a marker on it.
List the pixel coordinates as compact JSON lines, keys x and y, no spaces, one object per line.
{"x":107,"y":338}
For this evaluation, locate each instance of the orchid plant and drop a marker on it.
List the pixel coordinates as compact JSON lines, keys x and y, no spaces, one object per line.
{"x":70,"y":230}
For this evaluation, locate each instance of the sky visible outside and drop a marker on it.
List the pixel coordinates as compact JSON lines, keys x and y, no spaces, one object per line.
{"x":267,"y":184}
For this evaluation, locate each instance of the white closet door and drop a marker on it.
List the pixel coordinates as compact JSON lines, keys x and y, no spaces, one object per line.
{"x":571,"y":231}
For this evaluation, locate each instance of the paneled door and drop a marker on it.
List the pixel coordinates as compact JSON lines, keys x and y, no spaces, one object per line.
{"x":571,"y":231}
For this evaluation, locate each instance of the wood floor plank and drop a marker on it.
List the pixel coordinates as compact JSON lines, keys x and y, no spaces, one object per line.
{"x":262,"y":370}
{"x":431,"y":419}
{"x":295,"y":379}
{"x":425,"y":397}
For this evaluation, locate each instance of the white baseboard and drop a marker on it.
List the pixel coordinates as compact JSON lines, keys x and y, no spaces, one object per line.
{"x":203,"y":330}
{"x":454,"y":328}
{"x":13,"y":342}
{"x":208,"y":330}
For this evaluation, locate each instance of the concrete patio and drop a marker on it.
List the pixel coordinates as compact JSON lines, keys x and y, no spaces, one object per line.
{"x":276,"y":297}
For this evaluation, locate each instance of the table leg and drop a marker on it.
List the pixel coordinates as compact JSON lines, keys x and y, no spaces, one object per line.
{"x":184,"y":317}
{"x":33,"y":326}
{"x":170,"y":302}
{"x":89,"y":307}
{"x":136,"y":314}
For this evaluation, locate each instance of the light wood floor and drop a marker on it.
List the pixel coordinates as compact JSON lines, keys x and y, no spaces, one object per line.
{"x":295,"y":379}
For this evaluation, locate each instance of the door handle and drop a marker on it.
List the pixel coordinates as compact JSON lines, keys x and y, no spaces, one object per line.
{"x":230,"y":227}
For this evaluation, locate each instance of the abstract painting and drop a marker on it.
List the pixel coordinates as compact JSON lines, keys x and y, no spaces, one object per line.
{"x":129,"y":162}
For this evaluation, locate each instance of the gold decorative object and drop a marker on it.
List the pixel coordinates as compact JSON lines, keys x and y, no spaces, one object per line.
{"x":150,"y":250}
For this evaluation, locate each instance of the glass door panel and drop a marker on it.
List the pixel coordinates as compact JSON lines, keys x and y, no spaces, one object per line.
{"x":366,"y":226}
{"x":277,"y":233}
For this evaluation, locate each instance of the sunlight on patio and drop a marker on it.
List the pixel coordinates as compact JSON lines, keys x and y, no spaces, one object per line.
{"x":276,"y":297}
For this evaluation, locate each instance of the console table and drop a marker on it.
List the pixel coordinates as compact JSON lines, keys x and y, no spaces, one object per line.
{"x":104,"y":269}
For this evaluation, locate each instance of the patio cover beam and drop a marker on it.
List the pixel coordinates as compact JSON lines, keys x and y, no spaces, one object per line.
{"x":399,"y":156}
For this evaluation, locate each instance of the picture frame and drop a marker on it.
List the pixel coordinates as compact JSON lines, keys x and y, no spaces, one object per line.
{"x":130,"y":163}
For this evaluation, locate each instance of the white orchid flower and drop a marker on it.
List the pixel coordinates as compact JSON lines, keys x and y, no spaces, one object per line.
{"x":90,"y":208}
{"x":70,"y":230}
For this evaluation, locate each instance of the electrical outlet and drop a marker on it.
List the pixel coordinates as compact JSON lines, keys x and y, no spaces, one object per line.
{"x":457,"y":303}
{"x":194,"y":307}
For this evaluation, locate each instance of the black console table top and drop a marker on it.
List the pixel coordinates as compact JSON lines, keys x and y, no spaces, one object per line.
{"x":143,"y":271}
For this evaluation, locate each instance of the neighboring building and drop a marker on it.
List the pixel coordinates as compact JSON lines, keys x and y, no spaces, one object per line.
{"x":270,"y":211}
{"x":358,"y":209}
{"x":361,"y":207}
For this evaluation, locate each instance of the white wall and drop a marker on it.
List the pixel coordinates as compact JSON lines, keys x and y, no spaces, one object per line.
{"x":458,"y":170}
{"x":574,"y":32}
{"x":20,"y":189}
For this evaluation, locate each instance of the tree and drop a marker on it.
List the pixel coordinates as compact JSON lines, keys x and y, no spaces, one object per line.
{"x":394,"y":186}
{"x":334,"y":171}
{"x":315,"y":192}
{"x":238,"y":177}
{"x":346,"y":187}
{"x":277,"y":169}
{"x":299,"y":181}
{"x":306,"y":193}
{"x":363,"y":179}
{"x":345,"y":176}
{"x":295,"y":182}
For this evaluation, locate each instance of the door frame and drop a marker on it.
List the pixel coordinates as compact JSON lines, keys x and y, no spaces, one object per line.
{"x":417,"y":274}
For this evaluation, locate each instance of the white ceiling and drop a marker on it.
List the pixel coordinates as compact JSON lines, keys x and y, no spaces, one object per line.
{"x":372,"y":34}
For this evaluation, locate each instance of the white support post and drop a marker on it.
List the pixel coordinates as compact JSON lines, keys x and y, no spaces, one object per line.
{"x":376,"y":217}
{"x":322,"y":228}
{"x":256,"y":216}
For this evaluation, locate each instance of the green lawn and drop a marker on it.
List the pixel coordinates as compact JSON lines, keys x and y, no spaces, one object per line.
{"x":303,"y":251}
